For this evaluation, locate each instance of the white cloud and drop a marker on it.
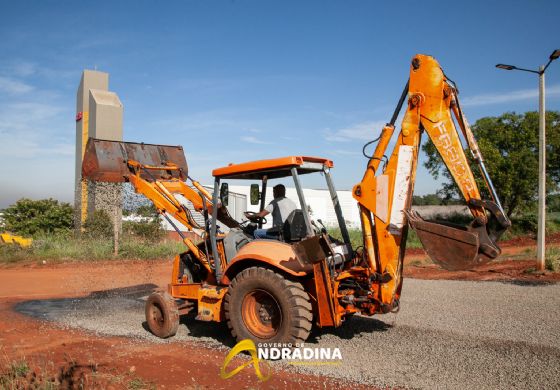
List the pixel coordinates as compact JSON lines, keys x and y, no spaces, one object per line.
{"x":30,"y":129}
{"x":363,"y":131}
{"x":26,"y":116}
{"x":23,"y":69}
{"x":36,"y":135}
{"x":351,"y":153}
{"x":19,"y":147}
{"x":253,"y":140}
{"x":13,"y":86}
{"x":211,"y":120}
{"x":506,"y":97}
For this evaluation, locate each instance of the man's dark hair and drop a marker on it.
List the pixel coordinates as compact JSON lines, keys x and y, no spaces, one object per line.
{"x":279,"y":191}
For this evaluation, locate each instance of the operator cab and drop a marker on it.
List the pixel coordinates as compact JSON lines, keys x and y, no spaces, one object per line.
{"x":298,"y":224}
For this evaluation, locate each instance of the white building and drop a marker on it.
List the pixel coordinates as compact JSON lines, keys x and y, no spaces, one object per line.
{"x":237,"y":205}
{"x":319,"y":201}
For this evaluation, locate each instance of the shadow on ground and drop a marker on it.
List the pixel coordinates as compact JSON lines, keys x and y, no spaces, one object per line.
{"x":351,"y":328}
{"x":121,"y":313}
{"x":53,"y":309}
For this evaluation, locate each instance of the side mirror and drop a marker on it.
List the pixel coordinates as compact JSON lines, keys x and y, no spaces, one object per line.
{"x":224,"y":193}
{"x":255,"y":194}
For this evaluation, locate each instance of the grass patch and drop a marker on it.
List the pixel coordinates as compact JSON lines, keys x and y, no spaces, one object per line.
{"x":140,"y":384}
{"x":64,"y":247}
{"x":356,"y":239}
{"x":355,"y":236}
{"x":526,"y":224}
{"x":521,"y":226}
{"x":552,"y":256}
{"x":412,"y":240}
{"x":530,"y":270}
{"x":19,"y":369}
{"x":44,"y":375}
{"x":13,"y":375}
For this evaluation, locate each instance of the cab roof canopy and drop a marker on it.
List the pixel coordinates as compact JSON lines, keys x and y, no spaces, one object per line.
{"x":273,"y":168}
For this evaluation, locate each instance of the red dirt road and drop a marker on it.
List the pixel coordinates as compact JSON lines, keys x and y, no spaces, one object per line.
{"x":508,"y":270}
{"x":72,"y":357}
{"x":508,"y":267}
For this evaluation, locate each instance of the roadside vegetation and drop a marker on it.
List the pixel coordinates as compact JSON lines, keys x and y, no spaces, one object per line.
{"x":553,"y":259}
{"x":509,"y":144}
{"x":65,"y":247}
{"x":40,"y":374}
{"x":522,"y":226}
{"x":356,"y":237}
{"x":49,"y":223}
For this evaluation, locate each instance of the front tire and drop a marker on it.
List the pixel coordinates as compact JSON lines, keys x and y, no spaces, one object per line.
{"x":263,"y":306}
{"x":162,"y":315}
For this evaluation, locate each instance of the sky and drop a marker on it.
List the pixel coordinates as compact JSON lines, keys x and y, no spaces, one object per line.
{"x":235,"y":81}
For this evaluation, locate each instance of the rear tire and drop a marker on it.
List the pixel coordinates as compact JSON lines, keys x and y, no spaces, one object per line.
{"x":162,"y":315}
{"x":265,"y":307}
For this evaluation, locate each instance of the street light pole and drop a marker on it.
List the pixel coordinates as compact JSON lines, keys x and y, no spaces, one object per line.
{"x":541,"y":232}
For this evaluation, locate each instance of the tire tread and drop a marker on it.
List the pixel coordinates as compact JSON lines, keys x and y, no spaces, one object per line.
{"x":301,"y":311}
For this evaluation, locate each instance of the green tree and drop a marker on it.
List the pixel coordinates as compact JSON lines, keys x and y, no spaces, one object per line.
{"x":429,"y":200}
{"x":509,"y":145}
{"x":149,"y":228}
{"x":553,"y":203}
{"x":30,"y":217}
{"x":147,"y":210}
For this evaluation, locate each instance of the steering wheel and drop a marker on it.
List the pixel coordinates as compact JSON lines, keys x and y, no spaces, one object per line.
{"x":254,"y":217}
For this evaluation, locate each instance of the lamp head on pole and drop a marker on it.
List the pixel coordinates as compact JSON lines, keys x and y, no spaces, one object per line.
{"x":506,"y":67}
{"x":555,"y":54}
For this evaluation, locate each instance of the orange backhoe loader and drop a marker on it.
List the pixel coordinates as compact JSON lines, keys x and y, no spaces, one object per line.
{"x":275,"y":290}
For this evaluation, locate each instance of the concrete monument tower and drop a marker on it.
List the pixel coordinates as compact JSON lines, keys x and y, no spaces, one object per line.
{"x":99,"y":114}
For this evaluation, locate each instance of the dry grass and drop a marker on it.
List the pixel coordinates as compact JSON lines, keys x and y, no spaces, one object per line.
{"x":552,"y":256}
{"x":64,"y":247}
{"x":40,"y":374}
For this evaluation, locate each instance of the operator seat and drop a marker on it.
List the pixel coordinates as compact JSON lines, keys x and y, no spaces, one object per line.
{"x":294,"y":228}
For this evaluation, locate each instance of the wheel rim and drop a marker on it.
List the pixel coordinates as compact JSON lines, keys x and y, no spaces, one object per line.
{"x":261,"y":314}
{"x":156,"y":316}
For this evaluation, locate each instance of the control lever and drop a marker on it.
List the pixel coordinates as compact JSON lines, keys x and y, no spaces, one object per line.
{"x":322,"y":229}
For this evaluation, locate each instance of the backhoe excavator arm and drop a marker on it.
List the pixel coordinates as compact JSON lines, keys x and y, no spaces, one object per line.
{"x":159,"y":173}
{"x":385,"y":195}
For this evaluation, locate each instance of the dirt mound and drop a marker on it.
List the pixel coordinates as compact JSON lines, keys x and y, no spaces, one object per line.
{"x":518,"y":271}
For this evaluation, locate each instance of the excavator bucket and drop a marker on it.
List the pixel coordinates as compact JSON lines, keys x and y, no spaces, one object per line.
{"x":108,"y":161}
{"x":454,"y":247}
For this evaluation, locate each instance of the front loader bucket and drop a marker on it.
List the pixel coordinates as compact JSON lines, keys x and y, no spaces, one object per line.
{"x":454,"y":248}
{"x":107,"y":161}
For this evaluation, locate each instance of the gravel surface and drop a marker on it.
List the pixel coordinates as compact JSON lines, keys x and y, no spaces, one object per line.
{"x":448,"y":334}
